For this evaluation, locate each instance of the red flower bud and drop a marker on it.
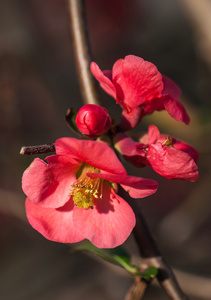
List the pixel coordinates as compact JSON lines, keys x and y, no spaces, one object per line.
{"x":93,"y":120}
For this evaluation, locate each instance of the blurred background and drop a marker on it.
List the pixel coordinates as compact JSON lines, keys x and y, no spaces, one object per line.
{"x":38,"y":83}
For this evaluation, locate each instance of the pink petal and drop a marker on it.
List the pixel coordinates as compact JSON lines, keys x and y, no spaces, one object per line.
{"x":54,"y":224}
{"x":150,"y":106}
{"x":94,"y":153}
{"x":108,"y":74}
{"x":153,"y":134}
{"x":126,"y":145}
{"x":180,"y":145}
{"x":49,"y":185}
{"x":136,"y":80}
{"x":130,"y":119}
{"x":137,"y":187}
{"x":170,"y":88}
{"x":130,"y":149}
{"x":175,"y":109}
{"x":187,"y":149}
{"x":144,"y":139}
{"x":172,"y":163}
{"x":109,"y":223}
{"x":104,"y":79}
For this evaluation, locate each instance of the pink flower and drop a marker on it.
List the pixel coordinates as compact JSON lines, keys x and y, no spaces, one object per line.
{"x":93,"y":120}
{"x":169,"y":157}
{"x":140,"y":89}
{"x":74,"y":195}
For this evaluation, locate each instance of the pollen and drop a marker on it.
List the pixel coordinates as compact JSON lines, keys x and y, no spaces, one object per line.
{"x":168,"y":142}
{"x":85,"y":189}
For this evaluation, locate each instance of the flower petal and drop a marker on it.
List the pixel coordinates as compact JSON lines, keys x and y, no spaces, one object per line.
{"x":54,"y":224}
{"x":170,"y":88}
{"x":150,"y":106}
{"x":48,"y":185}
{"x":172,"y":163}
{"x":130,"y":119}
{"x":187,"y":149}
{"x":130,"y":150}
{"x":136,"y":80}
{"x":137,"y":187}
{"x":93,"y":153}
{"x":109,"y":223}
{"x":104,"y":79}
{"x":180,"y":145}
{"x":175,"y":109}
{"x":153,"y":134}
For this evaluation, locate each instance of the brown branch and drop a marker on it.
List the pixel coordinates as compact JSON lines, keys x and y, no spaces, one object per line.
{"x":151,"y":254}
{"x":199,"y":12}
{"x":137,"y":290}
{"x":82,"y":51}
{"x":166,"y":277}
{"x":145,"y":241}
{"x":29,"y":150}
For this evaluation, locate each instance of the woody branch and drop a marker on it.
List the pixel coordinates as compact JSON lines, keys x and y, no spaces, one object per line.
{"x":146,"y":243}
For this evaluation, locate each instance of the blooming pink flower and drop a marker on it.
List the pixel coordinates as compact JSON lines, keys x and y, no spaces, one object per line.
{"x":140,"y":89}
{"x":93,"y":120}
{"x":74,"y":195}
{"x":169,"y":157}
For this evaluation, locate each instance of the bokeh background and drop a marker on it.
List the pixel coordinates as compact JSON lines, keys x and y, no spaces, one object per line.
{"x":38,"y":82}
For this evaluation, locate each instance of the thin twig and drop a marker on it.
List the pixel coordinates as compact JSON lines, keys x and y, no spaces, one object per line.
{"x":198,"y":12}
{"x":137,"y":290}
{"x":29,"y":150}
{"x":151,"y":254}
{"x":82,"y":51}
{"x":166,"y":277}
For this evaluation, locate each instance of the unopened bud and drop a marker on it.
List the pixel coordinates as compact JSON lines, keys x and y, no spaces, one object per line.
{"x":93,"y":120}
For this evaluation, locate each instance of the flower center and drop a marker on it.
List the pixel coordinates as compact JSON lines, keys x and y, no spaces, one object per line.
{"x":168,"y":142}
{"x":85,"y":189}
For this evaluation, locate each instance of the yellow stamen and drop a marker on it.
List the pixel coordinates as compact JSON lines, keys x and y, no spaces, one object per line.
{"x":85,"y":189}
{"x":168,"y":142}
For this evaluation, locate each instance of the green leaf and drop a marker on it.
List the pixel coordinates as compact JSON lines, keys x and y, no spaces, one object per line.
{"x":70,"y":120}
{"x":117,"y":256}
{"x":149,"y":273}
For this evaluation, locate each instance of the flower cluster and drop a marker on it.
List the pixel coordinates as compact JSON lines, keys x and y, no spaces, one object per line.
{"x":73,"y":195}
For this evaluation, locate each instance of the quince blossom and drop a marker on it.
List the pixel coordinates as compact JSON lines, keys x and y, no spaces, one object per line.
{"x":168,"y":156}
{"x":93,"y":120}
{"x":74,"y":195}
{"x":140,"y":89}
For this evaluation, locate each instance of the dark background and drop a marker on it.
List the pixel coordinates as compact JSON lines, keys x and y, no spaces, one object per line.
{"x":38,"y":82}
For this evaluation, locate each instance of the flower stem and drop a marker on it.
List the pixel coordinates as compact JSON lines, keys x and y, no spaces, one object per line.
{"x":82,"y":51}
